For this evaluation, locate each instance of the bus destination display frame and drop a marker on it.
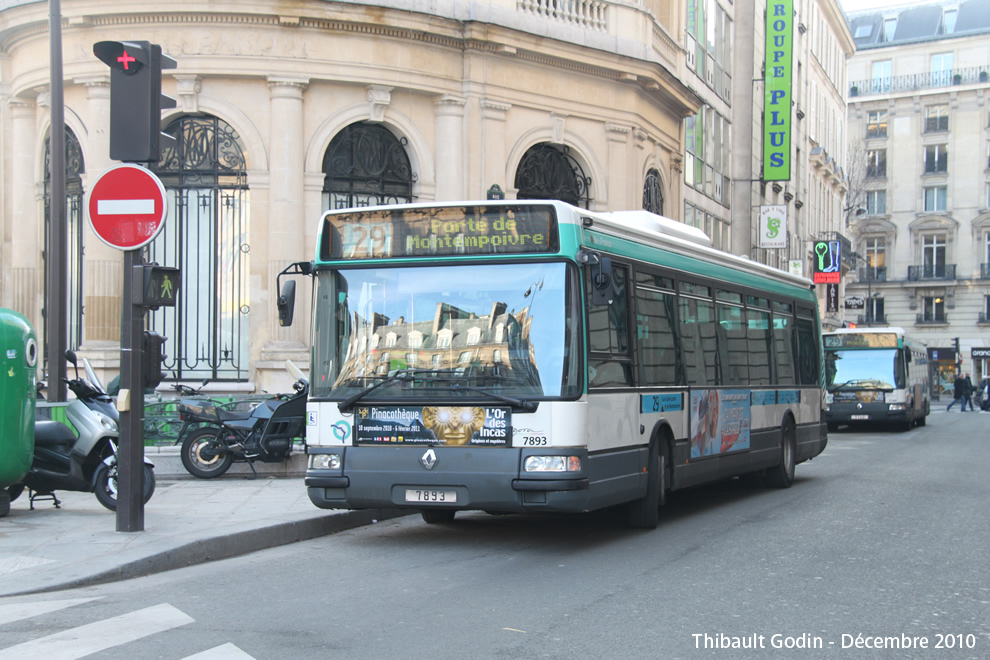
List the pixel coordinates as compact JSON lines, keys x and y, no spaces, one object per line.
{"x":439,"y":231}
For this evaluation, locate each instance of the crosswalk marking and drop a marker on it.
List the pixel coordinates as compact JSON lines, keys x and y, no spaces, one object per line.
{"x":225,"y":652}
{"x":19,"y":611}
{"x":99,"y":636}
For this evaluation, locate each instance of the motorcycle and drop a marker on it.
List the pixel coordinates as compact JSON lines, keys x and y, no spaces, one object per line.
{"x":265,"y":433}
{"x":83,"y":460}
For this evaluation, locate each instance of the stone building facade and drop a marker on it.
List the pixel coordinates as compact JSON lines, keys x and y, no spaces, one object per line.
{"x":287,"y":109}
{"x":920,"y":124}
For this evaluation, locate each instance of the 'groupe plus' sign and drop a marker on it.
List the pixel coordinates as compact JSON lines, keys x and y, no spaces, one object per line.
{"x":125,"y":58}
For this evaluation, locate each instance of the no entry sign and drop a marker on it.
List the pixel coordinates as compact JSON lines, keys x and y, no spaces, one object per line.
{"x":126,"y":207}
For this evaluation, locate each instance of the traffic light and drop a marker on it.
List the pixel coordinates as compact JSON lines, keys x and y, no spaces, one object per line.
{"x":159,"y":285}
{"x":136,"y":99}
{"x":154,"y":357}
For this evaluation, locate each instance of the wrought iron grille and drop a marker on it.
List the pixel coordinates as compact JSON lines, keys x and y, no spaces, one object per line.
{"x":74,"y":167}
{"x":549,"y":172}
{"x":932,"y":272}
{"x":207,"y":237}
{"x":653,"y":193}
{"x":366,"y":165}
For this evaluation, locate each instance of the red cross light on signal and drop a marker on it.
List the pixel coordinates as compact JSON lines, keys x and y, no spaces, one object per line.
{"x":125,"y":59}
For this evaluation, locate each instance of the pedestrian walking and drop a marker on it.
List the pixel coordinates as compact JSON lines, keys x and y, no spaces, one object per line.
{"x":968,"y":394}
{"x":957,"y":392}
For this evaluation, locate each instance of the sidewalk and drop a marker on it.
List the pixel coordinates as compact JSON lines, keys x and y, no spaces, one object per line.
{"x":186,"y":522}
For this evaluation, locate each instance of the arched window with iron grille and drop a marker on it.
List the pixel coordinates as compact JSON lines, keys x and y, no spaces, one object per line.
{"x":206,"y":235}
{"x":653,"y":192}
{"x":74,"y":168}
{"x":549,"y":172}
{"x":366,"y":165}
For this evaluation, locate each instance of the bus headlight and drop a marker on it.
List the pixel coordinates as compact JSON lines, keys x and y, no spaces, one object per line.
{"x":552,"y":464}
{"x":897,"y":407}
{"x":324,"y":461}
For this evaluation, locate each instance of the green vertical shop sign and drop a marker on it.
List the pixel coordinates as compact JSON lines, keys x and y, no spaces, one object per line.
{"x":777,"y":95}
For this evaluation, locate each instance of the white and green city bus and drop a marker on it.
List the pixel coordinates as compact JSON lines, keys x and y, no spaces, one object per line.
{"x":875,"y":375}
{"x":531,"y":356}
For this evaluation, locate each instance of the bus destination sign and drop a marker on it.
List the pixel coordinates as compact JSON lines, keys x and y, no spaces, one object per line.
{"x":861,"y":340}
{"x":439,"y":231}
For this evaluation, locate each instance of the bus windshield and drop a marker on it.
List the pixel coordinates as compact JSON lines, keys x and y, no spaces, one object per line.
{"x":459,"y":331}
{"x":871,"y":369}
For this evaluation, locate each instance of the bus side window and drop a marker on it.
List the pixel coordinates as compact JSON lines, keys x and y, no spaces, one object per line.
{"x":783,"y":329}
{"x":699,"y":341}
{"x":732,"y":345}
{"x":807,"y":348}
{"x":659,"y":362}
{"x":760,"y":346}
{"x":610,"y":358}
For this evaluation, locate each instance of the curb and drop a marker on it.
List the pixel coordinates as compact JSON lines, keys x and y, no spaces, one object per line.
{"x":225,"y":547}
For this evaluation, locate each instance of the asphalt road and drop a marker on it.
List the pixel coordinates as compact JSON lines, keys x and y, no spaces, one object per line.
{"x":882,"y":541}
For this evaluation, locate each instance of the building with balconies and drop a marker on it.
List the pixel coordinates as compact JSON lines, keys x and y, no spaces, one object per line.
{"x":286,"y":110}
{"x":919,"y":123}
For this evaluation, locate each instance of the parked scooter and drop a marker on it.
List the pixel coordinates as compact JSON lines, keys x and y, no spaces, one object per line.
{"x":265,"y":433}
{"x":86,"y":462}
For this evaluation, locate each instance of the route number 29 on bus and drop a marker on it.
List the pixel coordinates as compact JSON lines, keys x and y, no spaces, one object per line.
{"x":366,"y":241}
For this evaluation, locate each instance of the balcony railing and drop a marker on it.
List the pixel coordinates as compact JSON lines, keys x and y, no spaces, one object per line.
{"x":985,"y":271}
{"x":932,"y":272}
{"x":983,"y":318}
{"x":932,"y":320}
{"x":936,"y":124}
{"x":919,"y":81}
{"x":870,"y":274}
{"x":869,"y":319}
{"x":876,"y":171}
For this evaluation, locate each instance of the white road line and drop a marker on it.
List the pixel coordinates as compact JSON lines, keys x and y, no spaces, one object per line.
{"x":225,"y":652}
{"x":94,"y":637}
{"x":125,"y":206}
{"x":18,"y":611}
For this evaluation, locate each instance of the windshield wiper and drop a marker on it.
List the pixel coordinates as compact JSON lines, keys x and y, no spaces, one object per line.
{"x":525,"y":404}
{"x":437,"y":375}
{"x":347,"y":404}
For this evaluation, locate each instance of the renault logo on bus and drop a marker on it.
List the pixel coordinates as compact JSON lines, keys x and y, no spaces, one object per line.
{"x":429,"y":459}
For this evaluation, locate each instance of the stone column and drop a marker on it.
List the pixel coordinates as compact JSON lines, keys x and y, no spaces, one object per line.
{"x":618,"y":167}
{"x":493,"y":154}
{"x":449,"y":147}
{"x":26,"y":214}
{"x":102,"y":265}
{"x":284,"y":240}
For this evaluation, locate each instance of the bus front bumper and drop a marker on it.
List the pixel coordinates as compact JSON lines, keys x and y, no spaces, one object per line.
{"x":461,"y":478}
{"x":868,"y":412}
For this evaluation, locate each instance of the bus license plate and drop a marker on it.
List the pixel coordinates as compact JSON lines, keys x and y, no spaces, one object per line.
{"x":417,"y":495}
{"x":859,"y":416}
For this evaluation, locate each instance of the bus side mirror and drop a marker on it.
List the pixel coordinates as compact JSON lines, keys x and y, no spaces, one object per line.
{"x":602,"y":290}
{"x":287,"y":303}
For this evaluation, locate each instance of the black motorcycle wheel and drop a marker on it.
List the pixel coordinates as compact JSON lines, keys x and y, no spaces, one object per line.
{"x":106,"y":485}
{"x":198,"y":457}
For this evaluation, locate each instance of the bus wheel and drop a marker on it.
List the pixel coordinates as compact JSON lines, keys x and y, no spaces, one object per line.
{"x":782,"y":474}
{"x":434,"y":516}
{"x":645,"y":513}
{"x":921,"y":421}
